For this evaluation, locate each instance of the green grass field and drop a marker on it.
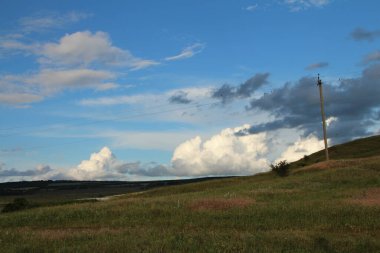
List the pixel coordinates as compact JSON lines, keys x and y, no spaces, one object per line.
{"x":319,"y":207}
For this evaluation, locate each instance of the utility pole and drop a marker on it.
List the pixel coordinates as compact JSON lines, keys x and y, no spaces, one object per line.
{"x":319,"y":83}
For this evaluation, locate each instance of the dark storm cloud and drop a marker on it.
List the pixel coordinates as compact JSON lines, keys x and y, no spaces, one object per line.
{"x":317,"y":65}
{"x":227,"y":93}
{"x":179,"y":98}
{"x":27,"y":173}
{"x":354,"y":102}
{"x":361,"y":34}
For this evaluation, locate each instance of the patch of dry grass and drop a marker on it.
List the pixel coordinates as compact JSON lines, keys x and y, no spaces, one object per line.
{"x":371,"y":197}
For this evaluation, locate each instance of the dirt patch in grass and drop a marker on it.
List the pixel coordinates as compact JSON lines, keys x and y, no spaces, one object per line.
{"x":220,"y":204}
{"x":370,"y":197}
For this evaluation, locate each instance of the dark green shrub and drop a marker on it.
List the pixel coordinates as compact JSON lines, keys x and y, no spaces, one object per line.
{"x":17,"y":204}
{"x":281,"y":168}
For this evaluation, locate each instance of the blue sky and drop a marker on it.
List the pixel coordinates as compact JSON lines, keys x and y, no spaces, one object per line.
{"x":163,"y":89}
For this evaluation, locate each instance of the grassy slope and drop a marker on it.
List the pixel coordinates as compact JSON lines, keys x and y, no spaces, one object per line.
{"x":360,"y":148}
{"x":324,"y":207}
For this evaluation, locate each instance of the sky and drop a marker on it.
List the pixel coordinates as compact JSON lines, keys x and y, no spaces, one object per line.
{"x":150,"y":90}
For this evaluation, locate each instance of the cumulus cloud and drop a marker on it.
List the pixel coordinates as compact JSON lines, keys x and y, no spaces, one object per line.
{"x":80,"y":49}
{"x":318,"y":65}
{"x":100,"y":166}
{"x":227,"y":93}
{"x":296,"y":105}
{"x":104,"y":165}
{"x":223,"y":154}
{"x":360,"y":34}
{"x":85,"y":48}
{"x":187,"y":52}
{"x":302,"y":147}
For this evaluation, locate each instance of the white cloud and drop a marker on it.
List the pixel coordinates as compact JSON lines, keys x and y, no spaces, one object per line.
{"x":223,"y":154}
{"x":188,"y":52}
{"x":68,"y":64}
{"x":85,"y":48}
{"x":304,"y":146}
{"x":79,"y":49}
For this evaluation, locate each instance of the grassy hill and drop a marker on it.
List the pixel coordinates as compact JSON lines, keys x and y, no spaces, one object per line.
{"x":321,"y":207}
{"x":360,"y":148}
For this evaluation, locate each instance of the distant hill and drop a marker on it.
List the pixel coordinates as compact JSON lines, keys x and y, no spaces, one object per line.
{"x":360,"y":148}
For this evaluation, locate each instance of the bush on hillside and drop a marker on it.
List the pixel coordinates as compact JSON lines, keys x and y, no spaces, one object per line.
{"x":281,"y":168}
{"x":16,"y":205}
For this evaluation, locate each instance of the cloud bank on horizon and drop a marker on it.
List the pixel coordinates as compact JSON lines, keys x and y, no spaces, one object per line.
{"x":224,"y":154}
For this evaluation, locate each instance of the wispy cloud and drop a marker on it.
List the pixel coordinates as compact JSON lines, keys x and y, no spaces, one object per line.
{"x":187,"y":52}
{"x":48,"y":20}
{"x":252,"y":7}
{"x":30,"y":88}
{"x":299,"y":5}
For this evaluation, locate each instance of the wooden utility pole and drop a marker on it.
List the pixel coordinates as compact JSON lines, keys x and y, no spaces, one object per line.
{"x":319,"y":83}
